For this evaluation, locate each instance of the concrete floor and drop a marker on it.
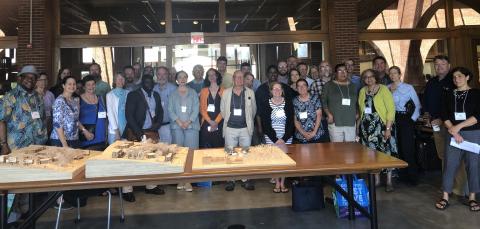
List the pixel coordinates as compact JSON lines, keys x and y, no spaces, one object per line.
{"x":213,"y":208}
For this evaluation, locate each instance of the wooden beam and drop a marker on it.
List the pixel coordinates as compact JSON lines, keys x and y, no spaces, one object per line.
{"x":168,"y":16}
{"x":403,"y":34}
{"x":8,"y":42}
{"x":222,"y":16}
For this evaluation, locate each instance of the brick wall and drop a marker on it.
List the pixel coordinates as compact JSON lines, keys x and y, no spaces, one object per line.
{"x":343,"y":31}
{"x":39,"y":54}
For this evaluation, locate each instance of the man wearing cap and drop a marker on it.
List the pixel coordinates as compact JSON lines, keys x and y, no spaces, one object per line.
{"x":22,"y":114}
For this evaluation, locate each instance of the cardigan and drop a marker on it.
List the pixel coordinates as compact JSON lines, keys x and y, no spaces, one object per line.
{"x":204,"y":93}
{"x":265,"y":116}
{"x":175,"y":109}
{"x":383,"y":102}
{"x":136,"y":110}
{"x":250,"y":108}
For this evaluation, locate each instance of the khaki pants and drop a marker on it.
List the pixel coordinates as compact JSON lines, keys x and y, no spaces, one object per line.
{"x":442,"y":138}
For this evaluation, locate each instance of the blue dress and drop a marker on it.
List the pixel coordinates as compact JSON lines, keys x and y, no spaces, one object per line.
{"x":88,"y":116}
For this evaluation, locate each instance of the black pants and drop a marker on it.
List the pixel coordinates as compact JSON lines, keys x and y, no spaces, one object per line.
{"x":405,"y":133}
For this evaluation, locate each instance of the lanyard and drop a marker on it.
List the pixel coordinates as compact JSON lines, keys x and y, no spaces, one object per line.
{"x":348,"y":91}
{"x":455,"y":95}
{"x":241,"y":99}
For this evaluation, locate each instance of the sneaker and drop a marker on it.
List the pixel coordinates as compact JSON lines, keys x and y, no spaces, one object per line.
{"x":188,"y":187}
{"x":180,"y":186}
{"x":230,"y":186}
{"x":129,"y":197}
{"x":155,"y":191}
{"x":248,"y":185}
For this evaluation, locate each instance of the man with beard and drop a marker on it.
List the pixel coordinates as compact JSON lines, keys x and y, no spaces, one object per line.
{"x":282,"y":69}
{"x":130,"y":81}
{"x":101,"y":87}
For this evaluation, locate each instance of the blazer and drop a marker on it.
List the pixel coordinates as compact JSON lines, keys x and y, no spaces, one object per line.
{"x":265,"y":115}
{"x":136,"y":111}
{"x":250,"y":108}
{"x":383,"y":102}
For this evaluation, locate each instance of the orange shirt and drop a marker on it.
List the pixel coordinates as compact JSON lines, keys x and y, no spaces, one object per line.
{"x":204,"y":105}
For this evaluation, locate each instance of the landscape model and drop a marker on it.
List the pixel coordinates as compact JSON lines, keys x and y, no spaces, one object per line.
{"x":241,"y":158}
{"x":126,"y":158}
{"x":43,"y":163}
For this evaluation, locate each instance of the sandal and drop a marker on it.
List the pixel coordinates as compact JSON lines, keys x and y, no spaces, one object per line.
{"x":277,"y":190}
{"x":284,"y":190}
{"x":474,"y":206}
{"x":442,"y":204}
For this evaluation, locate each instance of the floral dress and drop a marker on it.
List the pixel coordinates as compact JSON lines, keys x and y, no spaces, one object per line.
{"x":372,"y":129}
{"x":308,"y":123}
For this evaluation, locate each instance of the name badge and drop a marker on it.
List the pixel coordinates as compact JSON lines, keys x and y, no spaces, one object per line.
{"x":280,"y":114}
{"x":460,"y":116}
{"x":184,"y":109}
{"x":303,"y":115}
{"x":35,"y":115}
{"x":368,"y":110}
{"x":102,"y":114}
{"x":237,"y":112}
{"x":211,"y":108}
{"x":346,"y":102}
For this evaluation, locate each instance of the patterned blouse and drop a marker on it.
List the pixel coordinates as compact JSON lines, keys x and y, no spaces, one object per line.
{"x":66,"y":116}
{"x":24,"y":114}
{"x":308,"y":124}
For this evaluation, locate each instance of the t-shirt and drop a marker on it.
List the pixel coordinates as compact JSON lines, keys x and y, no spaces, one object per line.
{"x":334,"y":96}
{"x":237,"y":102}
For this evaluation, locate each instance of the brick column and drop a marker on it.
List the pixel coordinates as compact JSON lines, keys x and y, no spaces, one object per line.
{"x":343,"y":31}
{"x":39,"y":52}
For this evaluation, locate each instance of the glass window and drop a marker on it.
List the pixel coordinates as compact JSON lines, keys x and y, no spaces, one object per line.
{"x":121,"y":17}
{"x":185,"y":57}
{"x":155,"y":56}
{"x":272,"y":15}
{"x":196,"y":16}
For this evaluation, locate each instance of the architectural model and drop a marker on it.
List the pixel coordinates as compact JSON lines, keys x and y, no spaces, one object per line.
{"x":41,"y":163}
{"x":125,"y":158}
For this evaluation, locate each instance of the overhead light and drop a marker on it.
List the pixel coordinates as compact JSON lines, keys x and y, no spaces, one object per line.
{"x":291,"y":24}
{"x":319,"y":9}
{"x":195,"y":22}
{"x":227,"y":22}
{"x":162,"y":23}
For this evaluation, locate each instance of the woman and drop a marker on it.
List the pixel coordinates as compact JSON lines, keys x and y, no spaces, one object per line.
{"x":308,"y":115}
{"x":57,"y":89}
{"x":183,"y":107}
{"x":407,"y":106}
{"x":116,"y":100}
{"x":48,"y":99}
{"x":377,"y":114}
{"x":277,"y":123}
{"x":460,"y":115}
{"x":314,"y":73}
{"x":212,"y":120}
{"x":93,"y":115}
{"x":294,"y":77}
{"x":66,"y":111}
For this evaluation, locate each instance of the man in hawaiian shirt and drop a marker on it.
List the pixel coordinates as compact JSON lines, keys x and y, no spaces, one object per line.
{"x":22,"y":114}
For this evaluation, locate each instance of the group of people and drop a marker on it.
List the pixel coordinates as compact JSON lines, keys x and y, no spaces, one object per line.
{"x":297,"y":104}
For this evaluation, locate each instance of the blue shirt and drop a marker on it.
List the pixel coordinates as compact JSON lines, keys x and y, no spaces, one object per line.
{"x":164,"y":93}
{"x":402,"y":95}
{"x":151,"y":112}
{"x":196,"y":86}
{"x":89,"y":115}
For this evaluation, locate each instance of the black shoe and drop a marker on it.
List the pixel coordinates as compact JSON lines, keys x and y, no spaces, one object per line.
{"x":129,"y":197}
{"x":248,"y":185}
{"x":155,"y":191}
{"x":230,"y":186}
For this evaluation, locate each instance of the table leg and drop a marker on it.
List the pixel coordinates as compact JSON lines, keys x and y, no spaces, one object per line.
{"x":351,"y":208}
{"x":31,"y":208}
{"x":3,"y":210}
{"x":373,"y":201}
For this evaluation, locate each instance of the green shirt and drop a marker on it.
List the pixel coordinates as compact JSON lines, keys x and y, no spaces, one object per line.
{"x":332,"y":96}
{"x":102,"y":88}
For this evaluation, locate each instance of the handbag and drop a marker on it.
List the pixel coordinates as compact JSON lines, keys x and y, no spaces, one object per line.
{"x":360,"y":194}
{"x":410,"y":107}
{"x":307,"y":196}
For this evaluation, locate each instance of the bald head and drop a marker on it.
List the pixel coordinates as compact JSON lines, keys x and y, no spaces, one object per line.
{"x":238,"y":79}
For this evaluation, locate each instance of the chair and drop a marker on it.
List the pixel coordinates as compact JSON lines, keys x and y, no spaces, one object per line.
{"x":109,"y":208}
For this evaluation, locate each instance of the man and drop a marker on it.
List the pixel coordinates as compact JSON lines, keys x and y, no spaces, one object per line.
{"x":303,"y":70}
{"x":173,"y":74}
{"x":246,"y":67}
{"x":238,"y":110}
{"x":292,"y":62}
{"x":282,"y":69}
{"x":379,"y":64}
{"x":101,"y":87}
{"x":144,"y":114}
{"x":165,"y":89}
{"x":130,"y":81}
{"x":434,"y":91}
{"x":222,"y":68}
{"x":197,"y":82}
{"x":21,"y":122}
{"x":354,"y":78}
{"x":324,"y":73}
{"x":137,"y":67}
{"x":262,"y":95}
{"x":148,"y":70}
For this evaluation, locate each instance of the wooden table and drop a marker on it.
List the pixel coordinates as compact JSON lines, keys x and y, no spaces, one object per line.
{"x":311,"y":159}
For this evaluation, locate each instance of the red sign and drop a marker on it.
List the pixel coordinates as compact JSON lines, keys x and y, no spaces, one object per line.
{"x":197,"y":38}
